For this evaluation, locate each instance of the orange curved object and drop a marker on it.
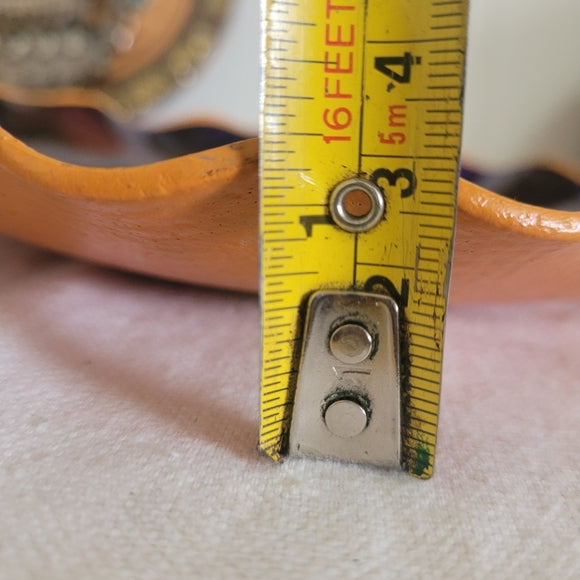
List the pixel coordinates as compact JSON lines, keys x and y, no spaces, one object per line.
{"x":194,"y":219}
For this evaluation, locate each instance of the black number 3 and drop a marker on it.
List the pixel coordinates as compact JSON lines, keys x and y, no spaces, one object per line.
{"x":393,"y":177}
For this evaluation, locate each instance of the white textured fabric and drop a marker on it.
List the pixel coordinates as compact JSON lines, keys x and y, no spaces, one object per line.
{"x":128,"y":429}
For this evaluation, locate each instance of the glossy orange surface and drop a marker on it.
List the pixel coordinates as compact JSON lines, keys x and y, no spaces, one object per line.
{"x":194,"y":219}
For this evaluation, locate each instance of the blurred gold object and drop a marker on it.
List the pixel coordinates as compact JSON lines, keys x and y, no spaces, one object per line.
{"x":119,"y":56}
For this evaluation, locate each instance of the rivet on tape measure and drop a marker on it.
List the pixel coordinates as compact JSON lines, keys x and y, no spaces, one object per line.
{"x":360,"y":137}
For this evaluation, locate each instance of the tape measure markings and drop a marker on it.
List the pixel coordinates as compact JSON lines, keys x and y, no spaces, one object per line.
{"x":408,"y":139}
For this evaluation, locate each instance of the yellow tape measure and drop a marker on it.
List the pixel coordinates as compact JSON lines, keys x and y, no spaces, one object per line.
{"x":360,"y":137}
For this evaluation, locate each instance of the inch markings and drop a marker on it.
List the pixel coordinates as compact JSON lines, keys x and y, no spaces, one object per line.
{"x":346,"y":97}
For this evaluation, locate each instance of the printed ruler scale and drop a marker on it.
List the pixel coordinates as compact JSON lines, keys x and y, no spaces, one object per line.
{"x":371,"y":91}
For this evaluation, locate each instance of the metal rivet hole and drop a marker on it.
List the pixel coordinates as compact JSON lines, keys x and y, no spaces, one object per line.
{"x":357,"y":205}
{"x":351,"y":343}
{"x":345,"y":418}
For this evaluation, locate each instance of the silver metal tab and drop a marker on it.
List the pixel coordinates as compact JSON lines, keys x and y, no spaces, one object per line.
{"x":348,"y":404}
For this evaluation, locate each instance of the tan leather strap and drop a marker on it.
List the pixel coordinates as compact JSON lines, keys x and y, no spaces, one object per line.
{"x":194,"y":219}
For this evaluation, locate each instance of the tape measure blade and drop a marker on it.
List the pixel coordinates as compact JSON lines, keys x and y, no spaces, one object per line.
{"x":344,"y":95}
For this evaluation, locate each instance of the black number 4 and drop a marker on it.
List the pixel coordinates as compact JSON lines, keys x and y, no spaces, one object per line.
{"x":384,"y":63}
